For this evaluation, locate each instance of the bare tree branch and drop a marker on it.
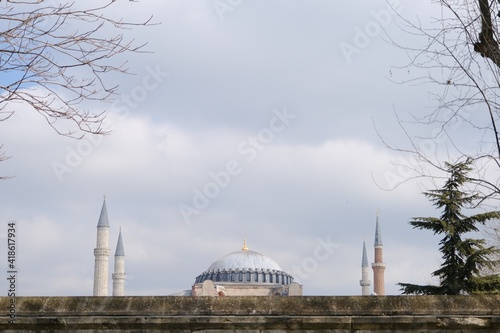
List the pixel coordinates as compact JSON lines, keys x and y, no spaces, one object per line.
{"x":459,"y":59}
{"x":3,"y":157}
{"x":54,"y":59}
{"x":466,"y":88}
{"x":487,"y":45}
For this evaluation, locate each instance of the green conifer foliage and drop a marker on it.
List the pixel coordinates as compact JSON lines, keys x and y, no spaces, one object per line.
{"x":463,"y":258}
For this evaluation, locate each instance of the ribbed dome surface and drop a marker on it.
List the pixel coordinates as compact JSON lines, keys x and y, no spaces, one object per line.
{"x":245,"y":267}
{"x":244,"y":259}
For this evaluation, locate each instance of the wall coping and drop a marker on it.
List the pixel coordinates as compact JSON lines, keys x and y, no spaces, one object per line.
{"x":476,"y":305}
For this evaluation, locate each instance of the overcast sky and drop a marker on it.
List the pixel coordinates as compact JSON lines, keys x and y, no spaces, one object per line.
{"x":248,"y":118}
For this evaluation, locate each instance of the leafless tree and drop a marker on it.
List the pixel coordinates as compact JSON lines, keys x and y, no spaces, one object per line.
{"x":491,"y":231}
{"x":458,"y":57}
{"x":54,"y":57}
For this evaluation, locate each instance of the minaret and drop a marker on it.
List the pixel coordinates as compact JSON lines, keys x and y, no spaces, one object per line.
{"x":365,"y":272}
{"x":378,"y":266}
{"x":119,"y":272}
{"x":101,"y":253}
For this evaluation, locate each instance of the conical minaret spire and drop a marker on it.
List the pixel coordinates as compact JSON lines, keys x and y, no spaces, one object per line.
{"x":365,"y":272}
{"x":119,"y":272}
{"x":378,"y":265}
{"x":378,"y":234}
{"x":101,"y":254}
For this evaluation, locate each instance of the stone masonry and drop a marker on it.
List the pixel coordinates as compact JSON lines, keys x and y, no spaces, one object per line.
{"x":338,"y":314}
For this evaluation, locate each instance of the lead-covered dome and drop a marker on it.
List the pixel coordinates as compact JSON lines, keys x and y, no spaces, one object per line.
{"x":245,"y":266}
{"x":244,"y":259}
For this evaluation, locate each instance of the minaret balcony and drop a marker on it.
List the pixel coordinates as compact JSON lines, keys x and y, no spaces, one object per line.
{"x":378,"y":265}
{"x":364,"y":283}
{"x":101,"y":252}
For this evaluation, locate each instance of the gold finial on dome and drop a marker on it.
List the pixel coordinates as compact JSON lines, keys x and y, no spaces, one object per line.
{"x":245,"y":247}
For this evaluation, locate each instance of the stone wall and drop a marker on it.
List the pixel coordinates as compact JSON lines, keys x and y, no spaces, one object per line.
{"x":253,"y":314}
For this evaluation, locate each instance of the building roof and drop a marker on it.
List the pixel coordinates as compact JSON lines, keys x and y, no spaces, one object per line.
{"x":244,"y":259}
{"x":230,"y":268}
{"x":103,"y":218}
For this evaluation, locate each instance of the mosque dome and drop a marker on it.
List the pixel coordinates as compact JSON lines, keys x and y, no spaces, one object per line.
{"x":245,"y":259}
{"x":245,"y":266}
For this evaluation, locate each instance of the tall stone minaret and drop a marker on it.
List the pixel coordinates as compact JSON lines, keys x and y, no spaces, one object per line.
{"x":365,"y":272}
{"x":101,"y":253}
{"x":378,"y":265}
{"x":119,"y":272}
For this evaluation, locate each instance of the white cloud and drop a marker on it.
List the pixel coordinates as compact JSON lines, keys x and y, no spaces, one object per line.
{"x":314,"y":178}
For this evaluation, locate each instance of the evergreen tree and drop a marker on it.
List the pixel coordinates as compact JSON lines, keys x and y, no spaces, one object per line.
{"x":464,"y":258}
